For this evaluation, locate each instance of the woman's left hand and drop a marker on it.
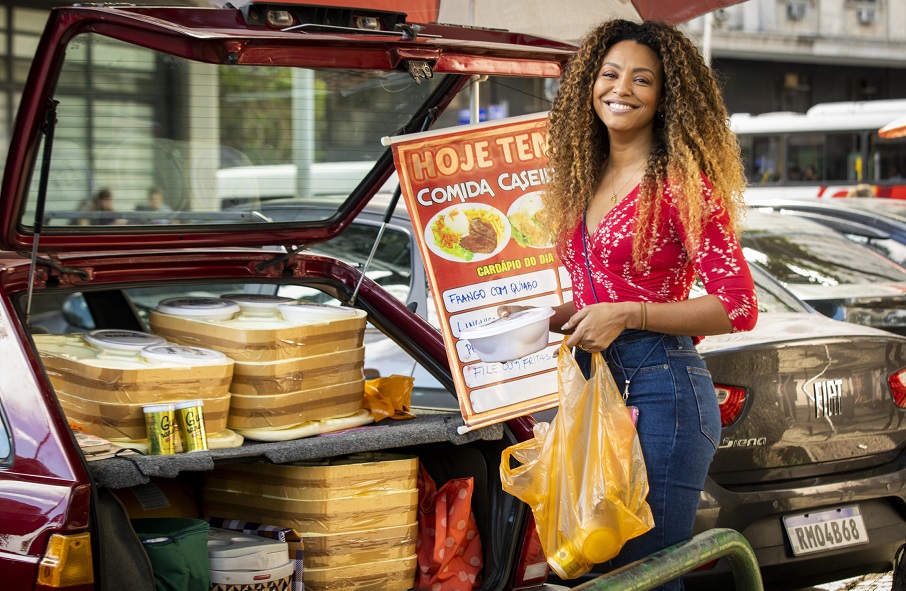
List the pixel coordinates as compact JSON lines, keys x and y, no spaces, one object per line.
{"x":596,"y":326}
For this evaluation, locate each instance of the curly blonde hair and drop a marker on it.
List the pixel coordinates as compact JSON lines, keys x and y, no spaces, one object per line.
{"x":692,"y":137}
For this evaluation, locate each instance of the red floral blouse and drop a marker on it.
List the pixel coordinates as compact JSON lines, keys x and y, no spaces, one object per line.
{"x":669,"y":274}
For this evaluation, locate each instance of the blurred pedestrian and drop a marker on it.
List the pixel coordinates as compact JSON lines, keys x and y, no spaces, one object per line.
{"x":156,"y":204}
{"x":103,"y":206}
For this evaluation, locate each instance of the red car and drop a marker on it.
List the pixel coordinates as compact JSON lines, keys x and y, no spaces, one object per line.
{"x":145,"y":138}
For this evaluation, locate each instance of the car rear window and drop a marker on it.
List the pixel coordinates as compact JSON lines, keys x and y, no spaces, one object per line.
{"x":815,"y":259}
{"x":144,"y":138}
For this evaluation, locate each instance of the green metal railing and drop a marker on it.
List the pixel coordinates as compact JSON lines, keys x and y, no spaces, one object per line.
{"x":681,"y":558}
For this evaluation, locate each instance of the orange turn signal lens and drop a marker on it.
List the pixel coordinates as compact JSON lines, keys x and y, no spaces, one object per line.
{"x":67,"y":561}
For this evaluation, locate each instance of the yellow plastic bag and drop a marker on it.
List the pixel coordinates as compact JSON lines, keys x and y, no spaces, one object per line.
{"x":389,"y":397}
{"x":583,"y":475}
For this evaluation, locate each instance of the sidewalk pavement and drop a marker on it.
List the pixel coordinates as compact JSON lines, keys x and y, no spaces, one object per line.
{"x":871,"y":582}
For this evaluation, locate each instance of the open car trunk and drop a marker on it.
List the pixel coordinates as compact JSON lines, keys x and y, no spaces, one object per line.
{"x":149,"y":145}
{"x":431,"y":436}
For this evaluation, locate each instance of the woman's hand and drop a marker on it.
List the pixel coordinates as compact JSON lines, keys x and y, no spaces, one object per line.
{"x":594,"y":327}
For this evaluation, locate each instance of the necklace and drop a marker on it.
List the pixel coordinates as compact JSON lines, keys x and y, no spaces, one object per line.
{"x":613,"y":197}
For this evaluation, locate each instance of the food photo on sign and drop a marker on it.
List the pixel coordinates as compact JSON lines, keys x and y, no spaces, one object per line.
{"x":474,"y":197}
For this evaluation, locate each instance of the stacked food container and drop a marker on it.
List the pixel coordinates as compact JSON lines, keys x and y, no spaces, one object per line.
{"x":294,"y":362}
{"x":357,"y":515}
{"x":104,"y":378}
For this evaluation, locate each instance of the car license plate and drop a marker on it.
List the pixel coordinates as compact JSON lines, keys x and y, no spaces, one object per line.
{"x":826,"y":530}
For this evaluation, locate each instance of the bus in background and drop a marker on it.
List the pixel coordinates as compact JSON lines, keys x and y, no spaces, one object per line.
{"x":824,"y":152}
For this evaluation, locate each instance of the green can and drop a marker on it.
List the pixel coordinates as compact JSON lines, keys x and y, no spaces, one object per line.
{"x":159,"y":422}
{"x":190,"y":420}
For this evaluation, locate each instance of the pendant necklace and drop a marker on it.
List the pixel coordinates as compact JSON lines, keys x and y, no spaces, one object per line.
{"x":613,"y":197}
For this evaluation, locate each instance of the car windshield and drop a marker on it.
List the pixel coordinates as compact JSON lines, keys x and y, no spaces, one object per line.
{"x":143,"y":138}
{"x":818,"y":259}
{"x":892,"y":208}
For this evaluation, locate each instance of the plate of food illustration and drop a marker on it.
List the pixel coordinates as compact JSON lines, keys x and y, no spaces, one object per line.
{"x":467,"y":232}
{"x":527,"y":220}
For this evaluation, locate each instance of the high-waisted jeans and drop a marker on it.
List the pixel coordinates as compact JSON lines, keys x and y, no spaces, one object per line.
{"x":678,"y":426}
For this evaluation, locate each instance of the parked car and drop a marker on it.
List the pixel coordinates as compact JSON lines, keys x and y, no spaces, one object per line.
{"x":879,"y":224}
{"x":813,"y":416}
{"x":839,"y":278}
{"x":813,"y":432}
{"x":127,"y":98}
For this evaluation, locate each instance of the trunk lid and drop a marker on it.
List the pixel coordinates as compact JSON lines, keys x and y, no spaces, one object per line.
{"x":136,"y":129}
{"x":818,"y":398}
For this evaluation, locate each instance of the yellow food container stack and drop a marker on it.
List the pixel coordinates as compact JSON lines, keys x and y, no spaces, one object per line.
{"x":357,"y":515}
{"x":294,"y":362}
{"x":103,"y":378}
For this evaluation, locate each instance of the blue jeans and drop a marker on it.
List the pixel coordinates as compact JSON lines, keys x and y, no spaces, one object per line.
{"x":678,"y":426}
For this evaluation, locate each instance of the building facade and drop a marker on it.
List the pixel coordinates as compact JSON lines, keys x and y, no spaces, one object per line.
{"x":787,"y":55}
{"x":771,"y":55}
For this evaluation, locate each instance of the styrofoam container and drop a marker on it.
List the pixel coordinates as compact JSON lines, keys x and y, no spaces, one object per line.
{"x":199,"y":308}
{"x":511,"y":337}
{"x":294,"y":331}
{"x":105,"y":377}
{"x":313,"y":313}
{"x":113,"y":341}
{"x":236,"y":551}
{"x":257,"y":304}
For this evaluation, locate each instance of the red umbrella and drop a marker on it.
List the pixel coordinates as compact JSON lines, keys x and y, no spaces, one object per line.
{"x":896,"y":128}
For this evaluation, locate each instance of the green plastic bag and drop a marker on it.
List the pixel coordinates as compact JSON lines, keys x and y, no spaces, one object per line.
{"x":178,"y":549}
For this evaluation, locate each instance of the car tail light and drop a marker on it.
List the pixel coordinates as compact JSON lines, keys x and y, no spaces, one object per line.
{"x":531,"y":570}
{"x":731,"y":400}
{"x":67,"y":563}
{"x":897,"y":381}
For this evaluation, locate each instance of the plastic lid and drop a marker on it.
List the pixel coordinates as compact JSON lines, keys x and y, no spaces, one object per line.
{"x":507,"y":323}
{"x":601,"y":545}
{"x":188,"y":403}
{"x":122,"y":340}
{"x":180,"y":354}
{"x":199,"y":307}
{"x":157,"y":407}
{"x":257,"y":303}
{"x":301,"y":311}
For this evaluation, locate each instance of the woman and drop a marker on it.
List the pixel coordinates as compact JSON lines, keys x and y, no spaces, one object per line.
{"x":645,"y":195}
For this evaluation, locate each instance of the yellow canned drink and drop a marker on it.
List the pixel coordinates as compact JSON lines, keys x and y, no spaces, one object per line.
{"x":190,"y":418}
{"x":161,"y":429}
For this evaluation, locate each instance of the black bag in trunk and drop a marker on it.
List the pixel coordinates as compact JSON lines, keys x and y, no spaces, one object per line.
{"x":899,"y":569}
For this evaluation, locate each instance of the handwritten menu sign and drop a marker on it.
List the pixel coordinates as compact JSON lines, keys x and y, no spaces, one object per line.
{"x":474,"y":196}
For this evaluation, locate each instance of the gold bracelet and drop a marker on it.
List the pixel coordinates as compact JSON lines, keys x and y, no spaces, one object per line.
{"x":644,"y":316}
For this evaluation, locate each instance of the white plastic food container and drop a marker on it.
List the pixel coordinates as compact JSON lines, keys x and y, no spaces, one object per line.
{"x":512,"y":337}
{"x":254,"y":304}
{"x":199,"y":308}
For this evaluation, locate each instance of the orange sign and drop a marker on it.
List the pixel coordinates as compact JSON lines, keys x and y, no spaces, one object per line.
{"x":474,"y":196}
